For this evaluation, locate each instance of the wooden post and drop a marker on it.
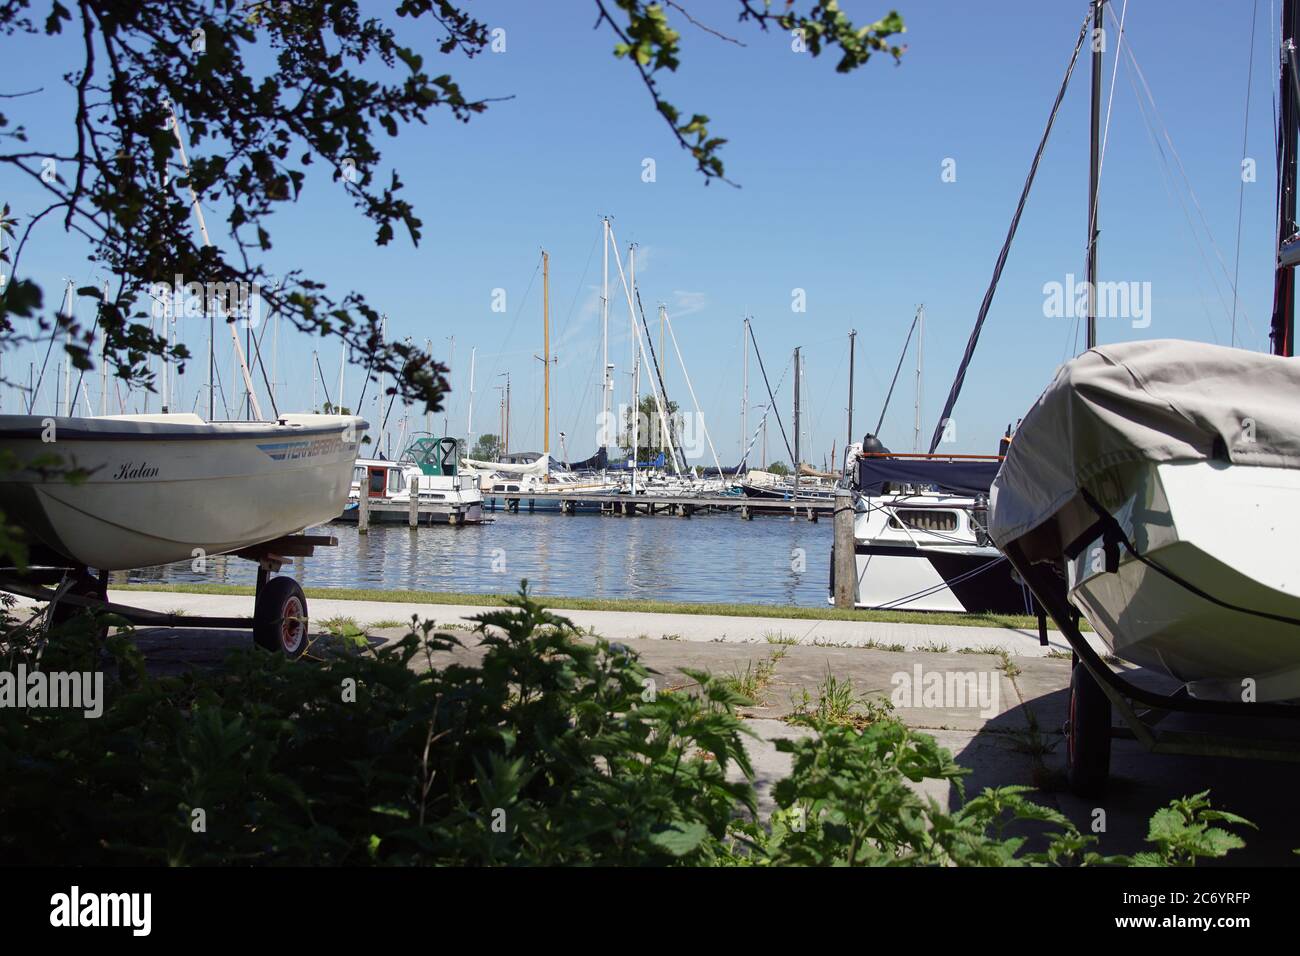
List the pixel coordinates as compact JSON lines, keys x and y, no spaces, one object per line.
{"x":413,"y":518}
{"x":363,"y":508}
{"x":843,"y":554}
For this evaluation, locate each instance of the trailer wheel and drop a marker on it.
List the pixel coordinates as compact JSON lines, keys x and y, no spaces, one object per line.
{"x":280,"y":617}
{"x":1087,"y":734}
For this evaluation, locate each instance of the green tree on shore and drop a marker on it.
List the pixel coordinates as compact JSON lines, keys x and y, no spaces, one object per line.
{"x":487,"y":448}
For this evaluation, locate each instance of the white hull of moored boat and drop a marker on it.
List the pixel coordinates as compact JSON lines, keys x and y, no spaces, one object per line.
{"x":165,"y":488}
{"x":441,"y":498}
{"x":1229,"y":531}
{"x":921,"y":552}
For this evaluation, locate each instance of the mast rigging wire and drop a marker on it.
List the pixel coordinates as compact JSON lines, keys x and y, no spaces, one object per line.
{"x":1006,"y":245}
{"x":1241,"y":187}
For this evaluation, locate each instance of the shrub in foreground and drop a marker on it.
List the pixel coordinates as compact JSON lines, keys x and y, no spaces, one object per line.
{"x":532,"y":748}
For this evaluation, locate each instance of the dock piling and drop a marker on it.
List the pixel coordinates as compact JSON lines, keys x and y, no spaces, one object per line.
{"x":843,"y":551}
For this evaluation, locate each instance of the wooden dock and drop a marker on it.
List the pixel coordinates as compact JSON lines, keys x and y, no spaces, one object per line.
{"x":684,"y":506}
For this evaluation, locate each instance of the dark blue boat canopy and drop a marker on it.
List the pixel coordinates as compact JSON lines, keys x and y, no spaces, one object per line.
{"x":878,"y":476}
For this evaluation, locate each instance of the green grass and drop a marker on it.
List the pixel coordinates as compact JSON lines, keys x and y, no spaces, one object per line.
{"x":837,"y":703}
{"x":753,"y":680}
{"x":633,"y":606}
{"x":388,"y":622}
{"x":778,"y":637}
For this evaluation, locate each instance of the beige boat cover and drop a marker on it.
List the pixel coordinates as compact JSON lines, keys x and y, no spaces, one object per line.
{"x":1160,"y":400}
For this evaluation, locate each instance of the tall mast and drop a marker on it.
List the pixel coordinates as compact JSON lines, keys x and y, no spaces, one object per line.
{"x":796,"y":413}
{"x":469,"y":419}
{"x":853,"y":337}
{"x":546,"y":352}
{"x":636,"y":370}
{"x":428,"y":416}
{"x":103,"y":359}
{"x":253,"y":405}
{"x":166,"y":362}
{"x":1094,"y":165}
{"x":744,"y":391}
{"x":607,"y":385}
{"x":451,"y":374}
{"x":68,"y":396}
{"x":275,"y":355}
{"x":1282,"y":330}
{"x":920,"y":352}
{"x":343,"y":357}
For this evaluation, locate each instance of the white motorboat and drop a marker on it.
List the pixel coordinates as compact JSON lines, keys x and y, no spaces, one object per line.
{"x":1160,"y":479}
{"x":155,"y":489}
{"x":445,"y":494}
{"x":920,"y":538}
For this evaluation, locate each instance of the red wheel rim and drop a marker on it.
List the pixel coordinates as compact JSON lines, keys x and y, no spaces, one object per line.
{"x":291,"y":625}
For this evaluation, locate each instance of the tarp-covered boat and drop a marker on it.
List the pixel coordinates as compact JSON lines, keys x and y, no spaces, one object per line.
{"x":1161,"y":479}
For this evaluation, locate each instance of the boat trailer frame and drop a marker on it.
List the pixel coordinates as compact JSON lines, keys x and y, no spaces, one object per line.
{"x":75,"y":587}
{"x":1141,"y":709}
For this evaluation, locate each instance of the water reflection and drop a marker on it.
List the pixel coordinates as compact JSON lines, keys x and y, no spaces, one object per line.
{"x":714,"y":558}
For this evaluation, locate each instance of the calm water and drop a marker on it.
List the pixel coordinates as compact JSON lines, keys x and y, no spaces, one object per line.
{"x":710,"y":558}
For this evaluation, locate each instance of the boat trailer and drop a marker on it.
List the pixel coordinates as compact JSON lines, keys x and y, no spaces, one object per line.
{"x":1096,"y":690}
{"x":279,"y":621}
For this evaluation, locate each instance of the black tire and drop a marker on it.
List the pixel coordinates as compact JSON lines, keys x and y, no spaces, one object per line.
{"x":280,"y":620}
{"x":1087,"y":735}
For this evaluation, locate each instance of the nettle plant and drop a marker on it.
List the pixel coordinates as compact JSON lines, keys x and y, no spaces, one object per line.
{"x":533,"y":746}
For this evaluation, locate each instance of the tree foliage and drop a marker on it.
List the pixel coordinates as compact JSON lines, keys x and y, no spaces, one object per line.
{"x":487,"y":448}
{"x":263,"y":91}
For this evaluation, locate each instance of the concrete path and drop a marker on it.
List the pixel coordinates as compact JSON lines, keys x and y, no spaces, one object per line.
{"x":623,"y":625}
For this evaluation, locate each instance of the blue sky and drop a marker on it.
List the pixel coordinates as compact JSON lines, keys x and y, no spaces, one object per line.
{"x":841,"y":195}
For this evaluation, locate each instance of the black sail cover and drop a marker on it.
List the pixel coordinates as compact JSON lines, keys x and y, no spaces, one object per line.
{"x":959,"y":477}
{"x":597,"y":462}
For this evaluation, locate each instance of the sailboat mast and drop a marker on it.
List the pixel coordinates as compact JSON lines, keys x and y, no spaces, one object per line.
{"x":1282,"y":332}
{"x":253,"y":405}
{"x":744,"y":389}
{"x":1094,"y":164}
{"x":469,"y":419}
{"x":853,"y":338}
{"x":607,"y":386}
{"x":103,"y":360}
{"x":546,"y":352}
{"x":797,"y":458}
{"x":920,"y":369}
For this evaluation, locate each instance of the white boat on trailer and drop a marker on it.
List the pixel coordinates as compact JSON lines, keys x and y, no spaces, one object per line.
{"x":112,"y":493}
{"x":156,"y":489}
{"x":1159,"y":479}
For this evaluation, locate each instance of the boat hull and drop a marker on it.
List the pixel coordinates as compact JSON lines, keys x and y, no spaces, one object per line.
{"x":1240,"y":551}
{"x":969,"y":580}
{"x":160,"y":489}
{"x":925,"y":551}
